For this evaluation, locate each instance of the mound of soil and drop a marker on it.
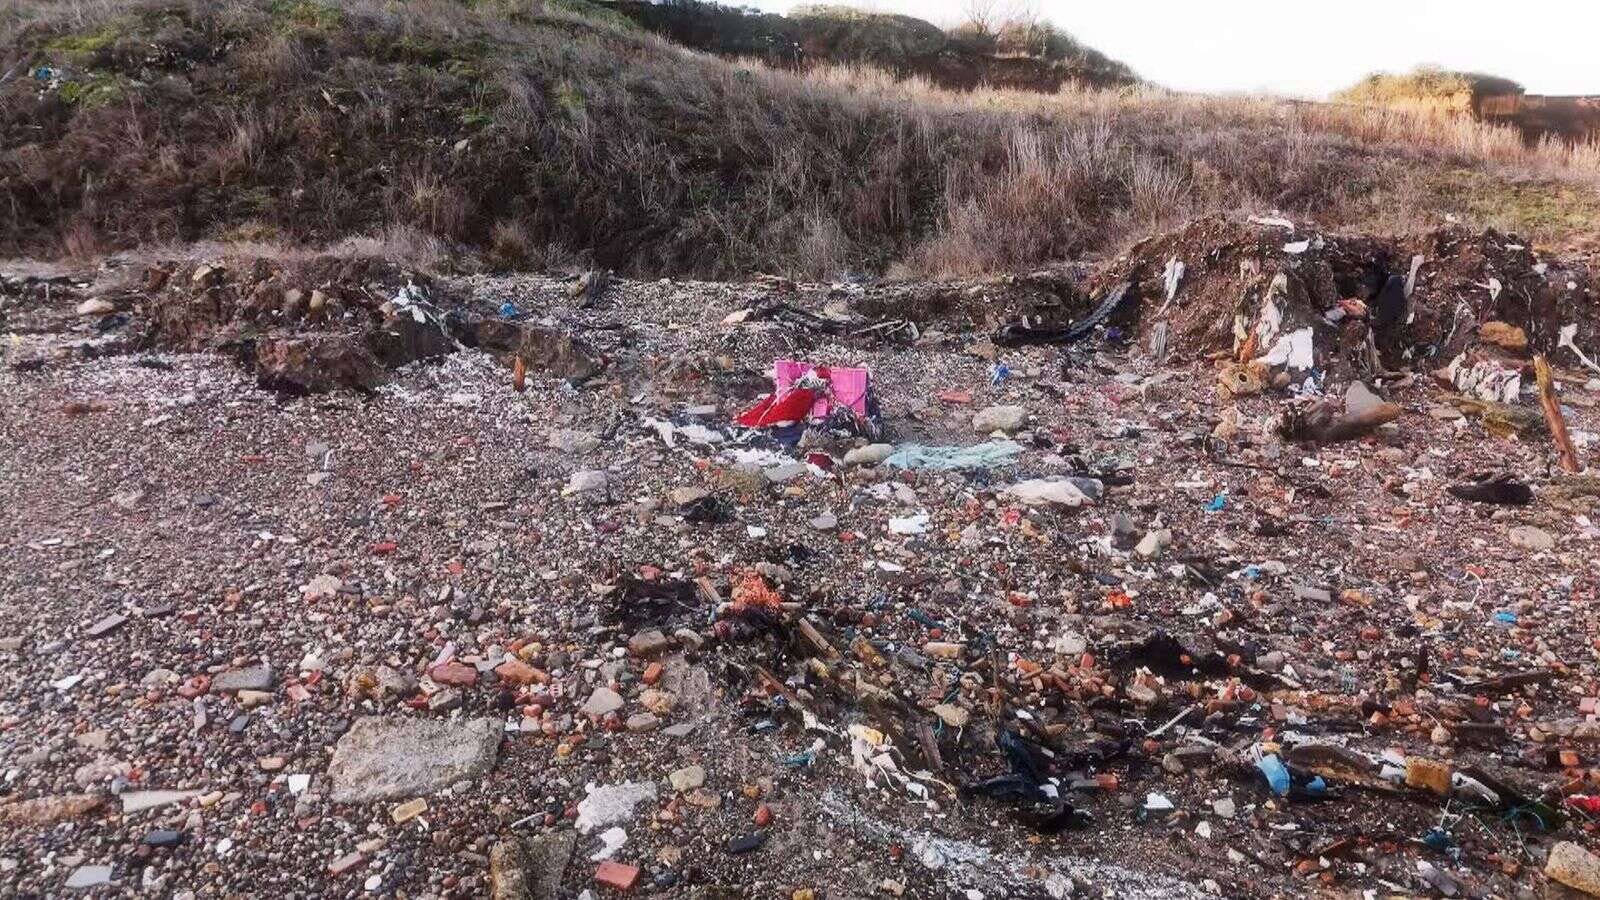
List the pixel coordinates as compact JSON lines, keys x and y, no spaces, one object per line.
{"x":1233,"y":270}
{"x":327,"y":323}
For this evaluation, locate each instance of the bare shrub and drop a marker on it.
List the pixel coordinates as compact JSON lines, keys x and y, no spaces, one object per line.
{"x":1157,"y":193}
{"x":402,"y":242}
{"x":821,"y":249}
{"x":429,"y":202}
{"x":511,"y":245}
{"x":1028,"y":209}
{"x":80,"y":240}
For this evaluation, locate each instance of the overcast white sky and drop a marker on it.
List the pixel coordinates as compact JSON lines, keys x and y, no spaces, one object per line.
{"x":1311,"y":47}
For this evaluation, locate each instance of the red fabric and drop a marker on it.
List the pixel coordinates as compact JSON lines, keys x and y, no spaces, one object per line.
{"x":775,"y":410}
{"x":847,"y":386}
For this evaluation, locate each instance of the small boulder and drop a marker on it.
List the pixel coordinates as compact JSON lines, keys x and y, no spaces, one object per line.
{"x":687,"y":778}
{"x":391,"y":758}
{"x":870,"y":455}
{"x":254,"y":678}
{"x":1574,"y":867}
{"x":1534,"y":540}
{"x":603,"y":701}
{"x":1008,"y":419}
{"x":588,"y":482}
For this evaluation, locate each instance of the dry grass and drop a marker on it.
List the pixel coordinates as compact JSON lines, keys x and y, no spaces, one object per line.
{"x":1428,"y":89}
{"x":529,"y":138}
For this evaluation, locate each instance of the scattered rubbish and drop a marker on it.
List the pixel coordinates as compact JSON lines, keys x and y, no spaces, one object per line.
{"x":907,"y":525}
{"x":1143,"y":609}
{"x":1023,"y":333}
{"x":987,"y":455}
{"x":1037,"y":796}
{"x":139,"y":801}
{"x":1173,"y":275}
{"x":1503,"y":420}
{"x":1568,"y":333}
{"x":805,"y":392}
{"x":1501,"y":488}
{"x":611,"y":840}
{"x":1326,"y":421}
{"x":1293,"y":351}
{"x":1272,"y":222}
{"x":1485,"y":379}
{"x":1061,"y":491}
{"x":1275,"y":772}
{"x":612,"y":804}
{"x":694,"y":433}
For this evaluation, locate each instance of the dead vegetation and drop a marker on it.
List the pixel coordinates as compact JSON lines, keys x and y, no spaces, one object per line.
{"x":1430,"y":89}
{"x":521,"y":135}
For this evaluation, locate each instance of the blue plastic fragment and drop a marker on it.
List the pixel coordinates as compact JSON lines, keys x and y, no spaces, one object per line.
{"x":1316,"y":785}
{"x":999,"y":374}
{"x":508,"y":309}
{"x":1277,"y":775}
{"x":1505,"y":618}
{"x":1218,"y":503}
{"x":800,"y":760}
{"x":1438,"y":839}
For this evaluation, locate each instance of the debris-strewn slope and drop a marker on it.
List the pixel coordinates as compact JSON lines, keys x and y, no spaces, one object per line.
{"x":489,"y":624}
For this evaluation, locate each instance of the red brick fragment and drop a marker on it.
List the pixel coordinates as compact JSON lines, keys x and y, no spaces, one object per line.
{"x":454,"y":673}
{"x":617,"y":875}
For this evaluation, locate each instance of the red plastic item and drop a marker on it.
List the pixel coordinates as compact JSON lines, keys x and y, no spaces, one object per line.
{"x":1586,"y":802}
{"x":776,"y":410}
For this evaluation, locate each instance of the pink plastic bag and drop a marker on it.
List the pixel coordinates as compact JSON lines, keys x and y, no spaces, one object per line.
{"x":849,"y":385}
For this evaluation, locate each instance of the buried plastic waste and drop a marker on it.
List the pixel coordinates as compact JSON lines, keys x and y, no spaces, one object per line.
{"x":1027,"y":785}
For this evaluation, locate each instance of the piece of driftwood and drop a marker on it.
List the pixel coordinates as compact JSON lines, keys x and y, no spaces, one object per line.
{"x":1552,"y":415}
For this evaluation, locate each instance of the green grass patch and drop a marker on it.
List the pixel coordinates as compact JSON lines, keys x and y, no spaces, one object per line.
{"x":94,"y":89}
{"x":305,"y":15}
{"x":79,"y":47}
{"x":1542,"y":210}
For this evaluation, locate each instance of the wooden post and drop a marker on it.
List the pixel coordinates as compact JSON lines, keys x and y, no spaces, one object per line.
{"x":1552,"y":416}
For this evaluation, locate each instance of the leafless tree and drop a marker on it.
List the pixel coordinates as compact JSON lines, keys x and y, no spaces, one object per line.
{"x":985,"y":16}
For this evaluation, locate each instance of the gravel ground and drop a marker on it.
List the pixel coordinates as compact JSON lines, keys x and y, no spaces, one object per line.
{"x":169,"y":528}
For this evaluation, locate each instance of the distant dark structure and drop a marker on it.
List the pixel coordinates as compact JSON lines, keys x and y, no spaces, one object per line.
{"x":1574,"y":118}
{"x":1486,"y":98}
